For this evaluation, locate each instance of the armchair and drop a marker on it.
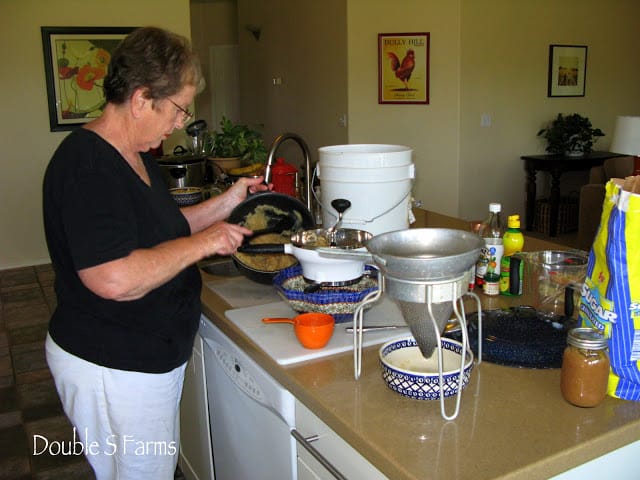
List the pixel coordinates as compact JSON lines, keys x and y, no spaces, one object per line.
{"x":592,"y":196}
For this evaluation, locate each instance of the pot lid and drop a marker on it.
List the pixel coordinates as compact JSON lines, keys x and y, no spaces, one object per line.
{"x":175,"y":160}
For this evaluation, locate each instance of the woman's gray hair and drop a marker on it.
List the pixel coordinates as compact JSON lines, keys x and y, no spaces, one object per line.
{"x":152,"y":58}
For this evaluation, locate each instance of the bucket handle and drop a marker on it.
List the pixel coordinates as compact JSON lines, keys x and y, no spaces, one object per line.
{"x":356,"y":220}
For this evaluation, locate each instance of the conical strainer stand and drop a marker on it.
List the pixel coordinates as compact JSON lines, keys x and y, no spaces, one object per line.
{"x":427,"y":307}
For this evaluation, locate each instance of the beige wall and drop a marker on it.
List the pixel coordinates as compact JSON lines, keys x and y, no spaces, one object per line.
{"x":27,"y":143}
{"x":487,"y":57}
{"x":304,"y":44}
{"x":431,"y":130}
{"x":504,"y":60}
{"x":213,"y":22}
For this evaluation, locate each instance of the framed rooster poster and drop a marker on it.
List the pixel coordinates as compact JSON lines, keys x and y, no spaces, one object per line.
{"x":403,"y":68}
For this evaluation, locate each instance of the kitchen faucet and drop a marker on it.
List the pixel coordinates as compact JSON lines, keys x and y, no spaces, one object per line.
{"x":307,"y":158}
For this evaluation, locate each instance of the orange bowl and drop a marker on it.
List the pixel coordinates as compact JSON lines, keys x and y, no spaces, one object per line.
{"x":314,"y":330}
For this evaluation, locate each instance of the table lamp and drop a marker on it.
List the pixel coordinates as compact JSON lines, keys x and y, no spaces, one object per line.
{"x":626,"y":139}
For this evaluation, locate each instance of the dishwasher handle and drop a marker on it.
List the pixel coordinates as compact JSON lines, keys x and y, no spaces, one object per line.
{"x":306,"y":443}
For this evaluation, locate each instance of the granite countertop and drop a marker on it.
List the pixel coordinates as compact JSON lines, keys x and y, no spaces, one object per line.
{"x":513,"y":423}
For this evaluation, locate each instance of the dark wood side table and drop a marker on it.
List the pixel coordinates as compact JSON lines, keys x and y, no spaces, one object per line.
{"x":556,"y":165}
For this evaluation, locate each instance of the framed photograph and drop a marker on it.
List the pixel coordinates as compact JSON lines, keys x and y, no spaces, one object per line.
{"x":76,"y":61}
{"x":403,"y":68}
{"x":567,"y":70}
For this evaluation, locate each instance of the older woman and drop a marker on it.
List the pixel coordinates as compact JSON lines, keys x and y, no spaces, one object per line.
{"x":124,"y":253}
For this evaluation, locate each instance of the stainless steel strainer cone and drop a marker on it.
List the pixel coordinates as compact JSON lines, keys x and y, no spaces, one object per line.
{"x":424,"y":271}
{"x":419,"y":318}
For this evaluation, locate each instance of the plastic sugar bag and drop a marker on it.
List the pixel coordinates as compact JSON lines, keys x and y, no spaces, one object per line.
{"x":610,"y":297}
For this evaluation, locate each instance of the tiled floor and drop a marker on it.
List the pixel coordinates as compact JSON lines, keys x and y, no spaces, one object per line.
{"x":29,"y":404}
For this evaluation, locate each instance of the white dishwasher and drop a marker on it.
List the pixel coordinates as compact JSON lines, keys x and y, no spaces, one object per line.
{"x":251,"y":415}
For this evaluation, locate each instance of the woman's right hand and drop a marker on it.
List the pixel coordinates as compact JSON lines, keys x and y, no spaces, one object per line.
{"x":144,"y":269}
{"x":222,"y":238}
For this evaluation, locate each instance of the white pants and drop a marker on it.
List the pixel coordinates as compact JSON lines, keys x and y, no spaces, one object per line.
{"x":128,"y":423}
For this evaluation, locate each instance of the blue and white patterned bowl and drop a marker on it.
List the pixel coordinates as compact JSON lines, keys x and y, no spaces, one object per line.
{"x":186,"y":196}
{"x":406,"y":371}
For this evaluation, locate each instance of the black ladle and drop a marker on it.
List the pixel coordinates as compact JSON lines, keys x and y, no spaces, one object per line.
{"x":341,"y":205}
{"x":275,"y":225}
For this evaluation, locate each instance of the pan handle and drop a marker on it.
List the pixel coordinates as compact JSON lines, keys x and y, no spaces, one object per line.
{"x":262,"y":248}
{"x":279,"y":320}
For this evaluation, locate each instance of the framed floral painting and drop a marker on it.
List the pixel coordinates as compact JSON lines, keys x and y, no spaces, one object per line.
{"x":76,"y":60}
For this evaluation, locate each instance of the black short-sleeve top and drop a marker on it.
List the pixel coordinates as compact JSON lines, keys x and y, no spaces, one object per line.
{"x":97,"y":209}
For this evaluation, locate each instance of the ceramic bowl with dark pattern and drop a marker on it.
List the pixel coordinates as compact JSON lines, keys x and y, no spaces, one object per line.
{"x":408,"y":372}
{"x":186,"y":196}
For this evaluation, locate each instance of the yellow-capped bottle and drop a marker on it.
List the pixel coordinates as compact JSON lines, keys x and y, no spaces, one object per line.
{"x":511,"y":269}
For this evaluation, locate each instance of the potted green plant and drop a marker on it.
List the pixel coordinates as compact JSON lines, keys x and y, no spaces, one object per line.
{"x":571,"y":135}
{"x":238,"y":141}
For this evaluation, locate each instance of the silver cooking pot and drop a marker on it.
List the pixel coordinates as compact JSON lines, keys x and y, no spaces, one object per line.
{"x":181,"y":171}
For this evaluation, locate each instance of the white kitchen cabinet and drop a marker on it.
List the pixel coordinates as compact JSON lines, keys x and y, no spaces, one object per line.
{"x":621,"y":464}
{"x":347,"y":461}
{"x":196,"y":459}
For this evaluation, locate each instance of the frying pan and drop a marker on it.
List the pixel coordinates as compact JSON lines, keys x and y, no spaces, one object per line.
{"x":279,"y":201}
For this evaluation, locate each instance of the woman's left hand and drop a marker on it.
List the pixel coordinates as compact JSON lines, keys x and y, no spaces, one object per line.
{"x":217,"y":209}
{"x":244,"y":185}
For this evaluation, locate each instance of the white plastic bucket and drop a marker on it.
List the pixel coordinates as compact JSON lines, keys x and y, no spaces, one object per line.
{"x":376,"y":179}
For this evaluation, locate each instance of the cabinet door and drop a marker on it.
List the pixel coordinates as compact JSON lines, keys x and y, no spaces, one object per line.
{"x":311,"y":471}
{"x":196,"y":458}
{"x":344,"y":458}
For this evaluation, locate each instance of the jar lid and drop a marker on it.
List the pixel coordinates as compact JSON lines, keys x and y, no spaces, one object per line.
{"x":585,"y":337}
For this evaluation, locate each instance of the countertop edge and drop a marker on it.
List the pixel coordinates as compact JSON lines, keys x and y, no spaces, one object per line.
{"x":214,"y":307}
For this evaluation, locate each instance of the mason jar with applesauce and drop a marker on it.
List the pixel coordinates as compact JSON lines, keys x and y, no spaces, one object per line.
{"x":585,"y":368}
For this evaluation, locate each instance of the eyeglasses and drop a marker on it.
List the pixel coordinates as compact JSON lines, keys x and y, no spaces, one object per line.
{"x":186,"y":114}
